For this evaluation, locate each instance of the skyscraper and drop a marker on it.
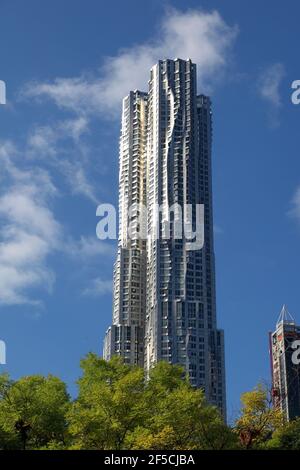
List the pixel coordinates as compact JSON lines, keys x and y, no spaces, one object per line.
{"x":126,"y":335}
{"x":170,"y":311}
{"x":285,"y":372}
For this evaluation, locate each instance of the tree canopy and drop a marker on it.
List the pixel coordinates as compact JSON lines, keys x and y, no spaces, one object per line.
{"x":118,"y":407}
{"x":258,"y":419}
{"x":32,"y":411}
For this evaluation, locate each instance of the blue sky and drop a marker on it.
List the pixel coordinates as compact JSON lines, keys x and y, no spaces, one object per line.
{"x":66,"y":66}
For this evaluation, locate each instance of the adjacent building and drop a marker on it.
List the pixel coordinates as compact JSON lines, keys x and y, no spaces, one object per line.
{"x":285,"y":369}
{"x":164,"y":291}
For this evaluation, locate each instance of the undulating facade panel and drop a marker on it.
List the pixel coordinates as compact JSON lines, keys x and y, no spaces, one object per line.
{"x":126,"y":336}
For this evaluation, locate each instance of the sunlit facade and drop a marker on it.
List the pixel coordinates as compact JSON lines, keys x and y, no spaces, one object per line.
{"x":172,"y":315}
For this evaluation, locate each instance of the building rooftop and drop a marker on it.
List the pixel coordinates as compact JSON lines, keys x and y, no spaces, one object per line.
{"x":285,"y":317}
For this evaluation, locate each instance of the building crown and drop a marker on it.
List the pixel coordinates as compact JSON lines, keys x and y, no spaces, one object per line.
{"x":285,"y":317}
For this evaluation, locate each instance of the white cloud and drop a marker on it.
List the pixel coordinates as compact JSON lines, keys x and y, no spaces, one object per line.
{"x":98,"y":287}
{"x":22,"y":266}
{"x":24,"y":207}
{"x":269,"y":89}
{"x":43,"y":140}
{"x":60,"y":146}
{"x":88,"y":247}
{"x":29,"y":231}
{"x":202,"y":36}
{"x":77,"y":178}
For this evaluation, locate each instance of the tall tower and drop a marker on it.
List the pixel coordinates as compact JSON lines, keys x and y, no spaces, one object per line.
{"x":179,"y":317}
{"x":126,"y":335}
{"x":284,"y":368}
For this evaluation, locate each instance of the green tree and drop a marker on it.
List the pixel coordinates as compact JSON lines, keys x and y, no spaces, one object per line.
{"x":32,"y":411}
{"x":118,"y":408}
{"x":8,"y":440}
{"x":111,"y":403}
{"x":286,"y":437}
{"x":258,"y":418}
{"x":179,"y":416}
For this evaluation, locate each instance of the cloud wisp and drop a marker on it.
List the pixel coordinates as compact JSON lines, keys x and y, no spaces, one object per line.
{"x":88,"y":248}
{"x":202,"y":36}
{"x":98,"y":287}
{"x":269,"y":89}
{"x":61,"y":147}
{"x":29,"y":231}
